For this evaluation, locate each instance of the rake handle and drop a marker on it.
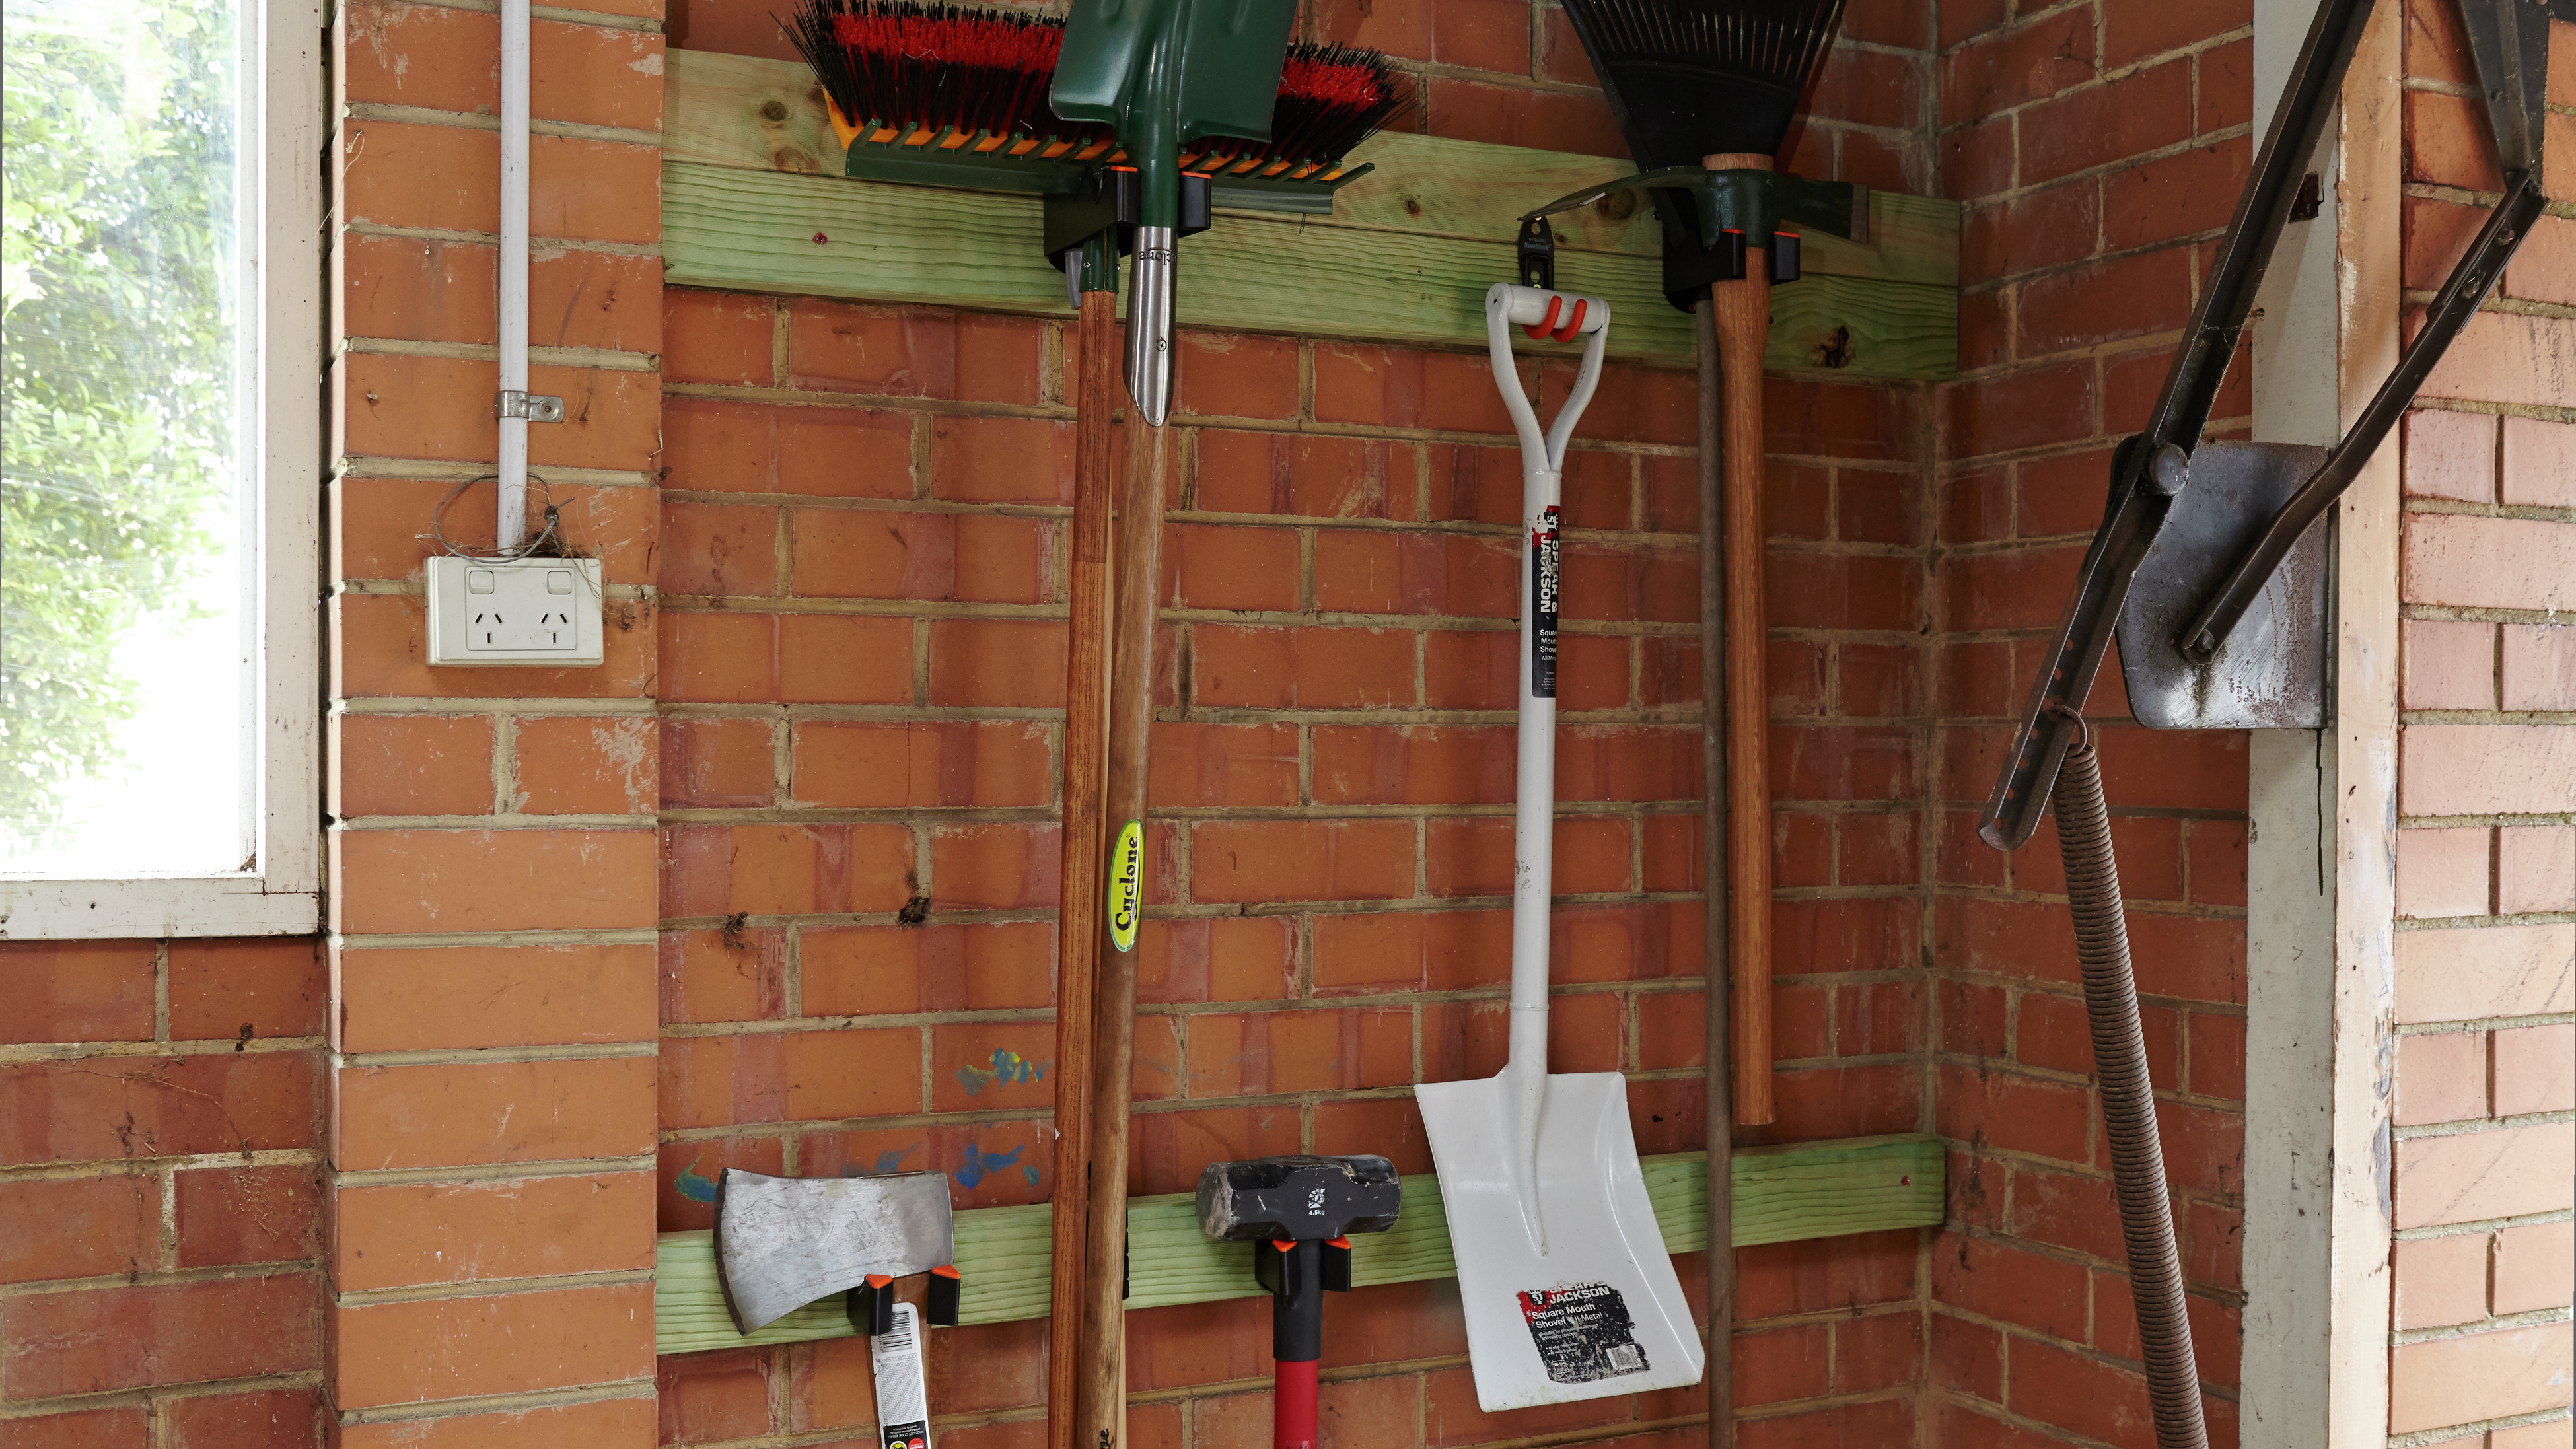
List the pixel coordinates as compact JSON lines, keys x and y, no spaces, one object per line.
{"x":1741,"y":311}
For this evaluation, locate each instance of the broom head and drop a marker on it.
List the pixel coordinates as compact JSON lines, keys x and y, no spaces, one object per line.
{"x":895,"y":70}
{"x":1331,"y":98}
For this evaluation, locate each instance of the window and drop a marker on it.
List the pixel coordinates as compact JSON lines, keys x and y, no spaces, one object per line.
{"x":160,"y":452}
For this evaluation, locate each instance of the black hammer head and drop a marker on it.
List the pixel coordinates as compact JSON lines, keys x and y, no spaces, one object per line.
{"x":1301,"y":1198}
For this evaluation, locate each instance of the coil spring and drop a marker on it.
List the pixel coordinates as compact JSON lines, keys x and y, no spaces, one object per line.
{"x":2128,"y":1099}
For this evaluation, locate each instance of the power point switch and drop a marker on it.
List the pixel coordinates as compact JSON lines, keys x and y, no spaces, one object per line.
{"x":542,"y":612}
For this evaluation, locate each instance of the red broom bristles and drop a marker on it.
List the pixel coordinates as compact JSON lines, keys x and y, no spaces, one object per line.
{"x":906,"y":67}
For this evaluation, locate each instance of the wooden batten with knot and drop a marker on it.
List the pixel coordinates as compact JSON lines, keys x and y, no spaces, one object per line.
{"x":753,"y":200}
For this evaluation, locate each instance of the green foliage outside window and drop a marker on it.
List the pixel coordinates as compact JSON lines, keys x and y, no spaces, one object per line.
{"x":118,"y":446}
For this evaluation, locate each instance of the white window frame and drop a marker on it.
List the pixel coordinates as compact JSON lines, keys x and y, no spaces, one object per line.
{"x":280,"y":894}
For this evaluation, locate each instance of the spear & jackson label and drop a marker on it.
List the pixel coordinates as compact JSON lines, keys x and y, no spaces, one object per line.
{"x":1583,"y":1331}
{"x":1543,"y":604}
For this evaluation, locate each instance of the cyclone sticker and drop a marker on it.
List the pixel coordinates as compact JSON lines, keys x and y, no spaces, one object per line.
{"x":1127,"y":885}
{"x":1583,"y":1332}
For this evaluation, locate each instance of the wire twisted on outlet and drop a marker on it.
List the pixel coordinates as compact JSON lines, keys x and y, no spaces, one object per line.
{"x":537,"y":547}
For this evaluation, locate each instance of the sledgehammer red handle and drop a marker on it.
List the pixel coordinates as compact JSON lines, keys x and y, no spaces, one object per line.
{"x":1297,"y":1213}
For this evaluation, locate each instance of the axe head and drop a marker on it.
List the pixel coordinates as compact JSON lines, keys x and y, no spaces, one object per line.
{"x":782,"y":1242}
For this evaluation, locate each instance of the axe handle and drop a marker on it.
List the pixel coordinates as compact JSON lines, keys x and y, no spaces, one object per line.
{"x":1137,"y":588}
{"x":1085,"y":841}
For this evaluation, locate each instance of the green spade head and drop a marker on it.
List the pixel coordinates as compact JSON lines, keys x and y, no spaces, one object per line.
{"x":1164,"y":73}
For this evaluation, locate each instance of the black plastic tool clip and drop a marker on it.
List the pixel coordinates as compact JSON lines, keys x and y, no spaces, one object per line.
{"x":1110,"y":198}
{"x":1713,"y":220}
{"x":1297,"y":1273}
{"x":871,"y":1304}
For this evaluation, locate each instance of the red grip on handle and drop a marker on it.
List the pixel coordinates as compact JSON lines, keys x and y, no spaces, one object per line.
{"x":1547,"y":323}
{"x":1292,"y":1412}
{"x":1574,"y":323}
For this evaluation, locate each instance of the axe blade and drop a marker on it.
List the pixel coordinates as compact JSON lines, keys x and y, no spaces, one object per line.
{"x":783,"y":1242}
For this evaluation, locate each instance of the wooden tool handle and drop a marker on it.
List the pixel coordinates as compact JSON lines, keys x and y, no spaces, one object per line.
{"x":1742,"y":313}
{"x":1086,"y":842}
{"x":1102,"y":1390}
{"x":1720,"y":1085}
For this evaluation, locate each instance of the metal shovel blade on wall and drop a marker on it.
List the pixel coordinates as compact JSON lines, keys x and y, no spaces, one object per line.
{"x":2210,"y":567}
{"x":1568,"y":1291}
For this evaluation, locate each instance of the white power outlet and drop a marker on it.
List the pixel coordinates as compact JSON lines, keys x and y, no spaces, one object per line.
{"x":534,"y":611}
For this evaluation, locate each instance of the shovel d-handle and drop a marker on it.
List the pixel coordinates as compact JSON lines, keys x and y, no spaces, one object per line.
{"x":1563,"y":316}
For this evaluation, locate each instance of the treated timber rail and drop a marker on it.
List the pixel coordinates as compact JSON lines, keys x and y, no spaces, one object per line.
{"x":1782,"y":1194}
{"x":752,"y":178}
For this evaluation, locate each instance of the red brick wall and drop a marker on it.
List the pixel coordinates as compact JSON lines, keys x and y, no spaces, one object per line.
{"x":2099,"y":147}
{"x":827,"y":715}
{"x":2486,"y":856}
{"x":861,"y":651}
{"x":858,"y":661}
{"x":493,"y":858}
{"x":159,"y":1194}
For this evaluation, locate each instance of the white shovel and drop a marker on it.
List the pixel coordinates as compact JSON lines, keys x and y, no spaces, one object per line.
{"x":1568,"y":1290}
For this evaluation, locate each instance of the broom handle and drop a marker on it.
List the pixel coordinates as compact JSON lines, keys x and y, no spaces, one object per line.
{"x":1138,"y":548}
{"x":1085,"y":842}
{"x":1742,"y":313}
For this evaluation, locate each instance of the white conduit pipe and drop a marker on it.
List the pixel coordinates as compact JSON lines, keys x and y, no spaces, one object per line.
{"x":514,"y":270}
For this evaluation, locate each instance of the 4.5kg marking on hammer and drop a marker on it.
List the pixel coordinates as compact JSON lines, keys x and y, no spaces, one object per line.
{"x":1127,"y":885}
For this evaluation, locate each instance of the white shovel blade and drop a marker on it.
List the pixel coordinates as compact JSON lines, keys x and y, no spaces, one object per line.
{"x":1598,"y":1311}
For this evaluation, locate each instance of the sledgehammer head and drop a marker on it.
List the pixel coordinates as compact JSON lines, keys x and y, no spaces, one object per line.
{"x":1276,"y":1199}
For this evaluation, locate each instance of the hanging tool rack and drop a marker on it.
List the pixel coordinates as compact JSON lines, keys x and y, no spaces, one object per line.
{"x":760,"y":195}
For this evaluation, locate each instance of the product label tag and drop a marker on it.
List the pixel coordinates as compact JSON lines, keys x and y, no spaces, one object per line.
{"x":903,"y":1402}
{"x":1543,"y":608}
{"x":1583,"y":1332}
{"x":1127,"y":885}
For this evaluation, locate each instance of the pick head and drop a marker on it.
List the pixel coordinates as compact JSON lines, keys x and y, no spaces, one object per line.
{"x":1298,"y":1198}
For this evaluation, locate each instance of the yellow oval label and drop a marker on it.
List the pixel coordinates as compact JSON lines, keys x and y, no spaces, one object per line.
{"x":1127,"y":885}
